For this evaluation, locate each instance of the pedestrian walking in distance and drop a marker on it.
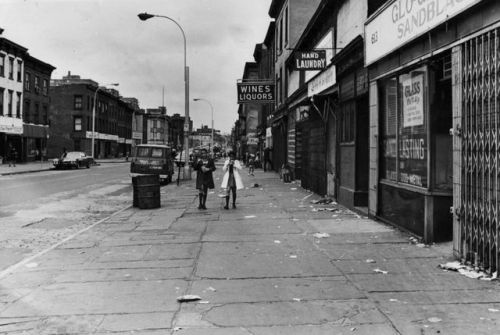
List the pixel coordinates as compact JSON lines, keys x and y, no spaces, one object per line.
{"x":251,"y":165}
{"x":232,"y":179}
{"x":12,"y":155}
{"x":204,"y":167}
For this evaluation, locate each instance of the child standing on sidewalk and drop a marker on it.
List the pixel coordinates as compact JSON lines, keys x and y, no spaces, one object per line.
{"x":232,"y":179}
{"x":204,"y":178}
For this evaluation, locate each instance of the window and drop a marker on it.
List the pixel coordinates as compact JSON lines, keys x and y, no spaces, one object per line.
{"x":19,"y":70}
{"x":404,"y":128}
{"x":37,"y":84}
{"x":11,"y":68}
{"x":77,"y":123}
{"x":286,"y":25}
{"x":1,"y":100}
{"x":78,"y":102}
{"x":27,"y":81}
{"x":347,"y":122}
{"x":18,"y":105}
{"x":281,"y":35}
{"x":45,"y":87}
{"x":2,"y":65}
{"x":36,"y":114}
{"x":45,"y":115}
{"x":26,"y":111}
{"x":89,"y":123}
{"x":9,"y":103}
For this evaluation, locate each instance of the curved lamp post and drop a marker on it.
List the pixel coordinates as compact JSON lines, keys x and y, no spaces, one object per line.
{"x":187,"y":174}
{"x":93,"y":114}
{"x":212,"y":109}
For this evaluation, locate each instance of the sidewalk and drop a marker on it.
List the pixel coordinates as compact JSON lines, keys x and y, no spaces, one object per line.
{"x":277,"y":264}
{"x":38,"y":166}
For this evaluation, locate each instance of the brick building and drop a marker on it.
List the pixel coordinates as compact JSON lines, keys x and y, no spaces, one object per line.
{"x":36,"y":108}
{"x":71,"y":115}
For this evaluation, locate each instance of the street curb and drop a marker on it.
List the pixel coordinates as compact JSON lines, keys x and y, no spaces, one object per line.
{"x":24,"y":172}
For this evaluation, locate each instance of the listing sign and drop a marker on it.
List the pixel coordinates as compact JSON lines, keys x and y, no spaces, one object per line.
{"x":255,"y":92}
{"x":413,"y":160}
{"x":309,"y":60}
{"x":413,"y":101}
{"x":404,"y":20}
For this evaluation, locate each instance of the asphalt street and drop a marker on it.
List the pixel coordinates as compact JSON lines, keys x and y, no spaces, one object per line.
{"x":278,"y":264}
{"x":25,"y":188}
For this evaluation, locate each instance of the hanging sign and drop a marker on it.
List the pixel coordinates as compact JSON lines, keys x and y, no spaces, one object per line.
{"x":404,"y":20}
{"x":309,"y":60}
{"x":255,"y":92}
{"x":413,"y":101}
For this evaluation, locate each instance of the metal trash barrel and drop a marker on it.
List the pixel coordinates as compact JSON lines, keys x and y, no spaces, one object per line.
{"x":146,"y":191}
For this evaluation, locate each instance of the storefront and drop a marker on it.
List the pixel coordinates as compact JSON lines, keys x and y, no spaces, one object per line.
{"x":34,"y":142}
{"x":352,"y":114}
{"x":433,"y":121}
{"x":279,"y":139}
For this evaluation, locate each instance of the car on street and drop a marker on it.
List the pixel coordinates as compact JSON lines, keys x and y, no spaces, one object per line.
{"x":73,"y":159}
{"x":153,"y":159}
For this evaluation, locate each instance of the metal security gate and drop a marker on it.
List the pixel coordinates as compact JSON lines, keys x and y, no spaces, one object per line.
{"x":477,"y":149}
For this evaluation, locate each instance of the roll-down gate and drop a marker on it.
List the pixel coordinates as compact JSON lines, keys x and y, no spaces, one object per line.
{"x":476,"y":130}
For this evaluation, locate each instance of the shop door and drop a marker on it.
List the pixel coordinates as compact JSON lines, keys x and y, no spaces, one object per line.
{"x":314,"y":157}
{"x":476,"y":130}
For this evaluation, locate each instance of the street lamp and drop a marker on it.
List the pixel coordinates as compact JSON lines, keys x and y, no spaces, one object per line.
{"x":187,"y":174}
{"x":212,"y":109}
{"x":93,"y":114}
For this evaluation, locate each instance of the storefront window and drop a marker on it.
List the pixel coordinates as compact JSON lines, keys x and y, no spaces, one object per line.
{"x":404,"y":127}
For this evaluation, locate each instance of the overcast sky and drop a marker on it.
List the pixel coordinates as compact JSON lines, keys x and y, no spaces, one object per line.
{"x":105,"y":41}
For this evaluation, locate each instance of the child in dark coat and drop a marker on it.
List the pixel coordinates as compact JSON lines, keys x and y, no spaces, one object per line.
{"x":204,"y":167}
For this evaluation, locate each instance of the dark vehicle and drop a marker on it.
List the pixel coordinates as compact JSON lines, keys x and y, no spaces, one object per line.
{"x":153,"y":159}
{"x":73,"y":159}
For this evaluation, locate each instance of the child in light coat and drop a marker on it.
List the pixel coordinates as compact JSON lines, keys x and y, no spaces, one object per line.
{"x":232,"y":179}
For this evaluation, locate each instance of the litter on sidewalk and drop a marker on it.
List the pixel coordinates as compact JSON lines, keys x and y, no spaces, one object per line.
{"x":467,"y":271}
{"x":380,"y":271}
{"x":188,"y":298}
{"x":321,"y":235}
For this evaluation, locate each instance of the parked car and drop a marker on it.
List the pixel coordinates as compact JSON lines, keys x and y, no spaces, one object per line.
{"x":153,"y":159}
{"x":73,"y":159}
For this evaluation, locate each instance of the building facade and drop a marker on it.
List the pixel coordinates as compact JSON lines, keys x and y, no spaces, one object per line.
{"x":36,"y":109}
{"x":11,"y":96}
{"x":74,"y":123}
{"x":433,"y":132}
{"x":291,"y":17}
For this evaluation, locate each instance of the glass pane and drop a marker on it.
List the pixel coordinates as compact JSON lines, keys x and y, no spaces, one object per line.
{"x":143,"y":152}
{"x":157,"y":152}
{"x":413,"y":129}
{"x":388,"y":168}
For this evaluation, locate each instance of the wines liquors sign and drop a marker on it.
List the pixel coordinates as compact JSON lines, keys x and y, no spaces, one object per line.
{"x":255,"y":92}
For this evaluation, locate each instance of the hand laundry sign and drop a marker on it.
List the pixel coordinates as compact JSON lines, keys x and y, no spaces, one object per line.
{"x":310,"y":60}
